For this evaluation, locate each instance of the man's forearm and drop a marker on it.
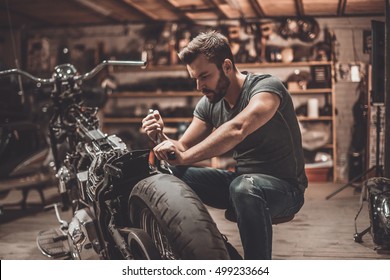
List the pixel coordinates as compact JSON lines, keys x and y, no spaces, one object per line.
{"x":222,"y":140}
{"x":177,"y":143}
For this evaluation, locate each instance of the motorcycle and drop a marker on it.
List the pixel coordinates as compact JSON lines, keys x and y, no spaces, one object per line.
{"x":122,"y":205}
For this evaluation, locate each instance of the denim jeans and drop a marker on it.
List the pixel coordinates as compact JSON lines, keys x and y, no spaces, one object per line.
{"x":256,"y":199}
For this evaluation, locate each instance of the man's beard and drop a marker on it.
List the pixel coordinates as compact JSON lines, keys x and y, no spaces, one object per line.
{"x":220,"y":91}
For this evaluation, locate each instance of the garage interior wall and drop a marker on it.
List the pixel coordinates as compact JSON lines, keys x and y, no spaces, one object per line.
{"x":348,"y":32}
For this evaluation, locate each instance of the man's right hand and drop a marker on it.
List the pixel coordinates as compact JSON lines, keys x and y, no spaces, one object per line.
{"x":153,"y":125}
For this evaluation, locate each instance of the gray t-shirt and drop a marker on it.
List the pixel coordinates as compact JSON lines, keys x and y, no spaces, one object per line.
{"x":276,"y":147}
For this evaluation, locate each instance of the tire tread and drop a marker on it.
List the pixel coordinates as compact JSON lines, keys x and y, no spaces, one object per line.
{"x":184,"y":219}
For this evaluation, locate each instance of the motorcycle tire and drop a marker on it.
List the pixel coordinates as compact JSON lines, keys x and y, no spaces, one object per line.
{"x":141,"y":245}
{"x":176,"y":219}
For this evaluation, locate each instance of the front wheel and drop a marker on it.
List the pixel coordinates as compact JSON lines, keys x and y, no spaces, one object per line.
{"x":175,"y":218}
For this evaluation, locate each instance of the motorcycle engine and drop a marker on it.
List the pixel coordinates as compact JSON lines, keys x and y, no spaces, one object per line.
{"x":100,"y":152}
{"x":82,"y":236}
{"x":96,"y":153}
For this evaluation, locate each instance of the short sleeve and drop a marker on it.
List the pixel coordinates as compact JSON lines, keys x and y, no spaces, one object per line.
{"x":201,"y":110}
{"x":269,"y":84}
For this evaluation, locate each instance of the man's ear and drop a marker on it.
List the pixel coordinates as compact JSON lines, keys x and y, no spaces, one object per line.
{"x":227,"y":66}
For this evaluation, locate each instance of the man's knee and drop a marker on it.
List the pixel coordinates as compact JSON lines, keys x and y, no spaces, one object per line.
{"x":178,"y":171}
{"x":244,"y":186}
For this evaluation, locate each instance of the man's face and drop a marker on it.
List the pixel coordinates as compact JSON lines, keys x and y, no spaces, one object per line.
{"x":211,"y":81}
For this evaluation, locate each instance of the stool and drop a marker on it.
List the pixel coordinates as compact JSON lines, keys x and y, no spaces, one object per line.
{"x":230,"y":215}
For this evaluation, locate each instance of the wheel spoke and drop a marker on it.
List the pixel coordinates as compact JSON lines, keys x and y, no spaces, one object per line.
{"x":149,"y":224}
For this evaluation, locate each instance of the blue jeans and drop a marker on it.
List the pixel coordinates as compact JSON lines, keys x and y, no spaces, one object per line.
{"x":256,"y":199}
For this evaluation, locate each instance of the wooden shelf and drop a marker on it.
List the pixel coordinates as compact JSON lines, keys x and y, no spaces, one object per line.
{"x":311,"y":91}
{"x":164,"y":94}
{"x":180,"y":67}
{"x":283,"y":64}
{"x":167,"y":94}
{"x":119,"y":120}
{"x":320,"y":118}
{"x":329,"y":146}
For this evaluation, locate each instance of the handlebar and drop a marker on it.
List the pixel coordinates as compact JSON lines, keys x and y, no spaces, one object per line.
{"x":27,"y":75}
{"x":86,"y":76}
{"x":105,"y":63}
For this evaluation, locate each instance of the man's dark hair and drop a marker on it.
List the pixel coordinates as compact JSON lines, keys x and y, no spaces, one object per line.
{"x":211,"y":44}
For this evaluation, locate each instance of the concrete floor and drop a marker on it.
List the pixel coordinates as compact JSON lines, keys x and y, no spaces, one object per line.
{"x":323,"y":229}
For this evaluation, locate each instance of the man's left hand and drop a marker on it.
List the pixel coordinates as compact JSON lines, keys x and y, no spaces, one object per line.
{"x":164,"y":149}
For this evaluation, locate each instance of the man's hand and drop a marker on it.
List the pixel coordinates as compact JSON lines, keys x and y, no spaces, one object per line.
{"x":153,"y":125}
{"x":165,"y":150}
